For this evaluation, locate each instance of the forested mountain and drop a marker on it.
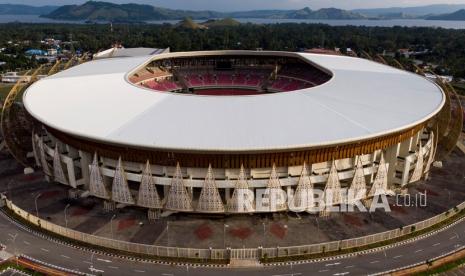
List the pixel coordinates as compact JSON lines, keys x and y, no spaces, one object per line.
{"x":23,"y":9}
{"x":105,"y":11}
{"x":411,"y":11}
{"x":458,"y":15}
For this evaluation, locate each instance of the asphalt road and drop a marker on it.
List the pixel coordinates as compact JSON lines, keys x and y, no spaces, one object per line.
{"x":71,"y":258}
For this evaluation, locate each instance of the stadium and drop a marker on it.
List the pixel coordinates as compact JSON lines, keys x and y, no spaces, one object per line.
{"x":201,"y":132}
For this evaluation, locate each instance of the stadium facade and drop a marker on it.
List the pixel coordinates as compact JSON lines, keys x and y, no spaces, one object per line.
{"x":201,"y":131}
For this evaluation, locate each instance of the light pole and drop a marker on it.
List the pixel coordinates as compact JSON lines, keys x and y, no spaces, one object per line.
{"x":13,"y":240}
{"x":318,"y":226}
{"x":35,"y":201}
{"x":9,"y":189}
{"x":264,"y":233}
{"x":168,"y":233}
{"x":92,"y":259}
{"x":66,"y":217}
{"x":224,"y":234}
{"x":111,"y":225}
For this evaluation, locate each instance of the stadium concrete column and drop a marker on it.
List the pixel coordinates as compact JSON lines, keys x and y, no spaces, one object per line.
{"x":373,"y":164}
{"x":391,"y":159}
{"x":166,"y":190}
{"x":289,"y":187}
{"x":71,"y":173}
{"x":190,"y":188}
{"x":415,"y":141}
{"x":405,"y":173}
{"x":227,"y":194}
{"x":86,"y":160}
{"x":405,"y":147}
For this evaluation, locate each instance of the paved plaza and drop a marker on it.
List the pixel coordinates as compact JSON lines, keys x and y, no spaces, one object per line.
{"x":200,"y":231}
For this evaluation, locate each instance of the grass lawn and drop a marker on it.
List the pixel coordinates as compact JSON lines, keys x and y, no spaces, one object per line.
{"x":6,"y":265}
{"x":4,"y":90}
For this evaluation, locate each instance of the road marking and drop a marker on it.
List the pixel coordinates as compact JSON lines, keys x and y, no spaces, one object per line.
{"x":66,"y":257}
{"x":167,"y":274}
{"x":453,"y":237}
{"x":103,"y":260}
{"x":26,"y":242}
{"x":436,"y":244}
{"x":324,"y":270}
{"x":113,"y":267}
{"x":139,"y":271}
{"x":398,"y":256}
{"x":91,"y":268}
{"x":332,"y":264}
{"x":86,"y":262}
{"x":341,"y":273}
{"x":46,"y":250}
{"x":349,"y":266}
{"x":374,"y":262}
{"x":292,"y":274}
{"x":457,"y":245}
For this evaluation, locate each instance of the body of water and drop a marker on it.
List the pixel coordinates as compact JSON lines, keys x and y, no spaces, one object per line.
{"x":370,"y":23}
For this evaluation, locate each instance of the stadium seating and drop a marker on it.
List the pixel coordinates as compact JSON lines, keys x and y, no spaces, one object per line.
{"x":289,"y":77}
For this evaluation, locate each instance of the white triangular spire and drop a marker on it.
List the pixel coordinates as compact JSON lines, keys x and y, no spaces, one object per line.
{"x":431,"y":153}
{"x":210,"y":199}
{"x":303,"y":197}
{"x":358,"y":188}
{"x":418,"y":171}
{"x":43,"y":160}
{"x":332,"y":192}
{"x":273,"y":193}
{"x":58,"y":173}
{"x":97,"y":186}
{"x":178,"y":199}
{"x":148,"y":196}
{"x":120,"y":190}
{"x":380,"y":184}
{"x":242,"y":200}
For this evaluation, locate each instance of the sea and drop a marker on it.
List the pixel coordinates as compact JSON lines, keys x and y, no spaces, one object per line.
{"x":364,"y":22}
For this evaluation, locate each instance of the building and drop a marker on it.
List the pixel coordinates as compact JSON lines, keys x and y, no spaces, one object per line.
{"x":35,"y":52}
{"x":435,"y":77}
{"x":335,"y":51}
{"x":119,"y":51}
{"x":194,"y":131}
{"x":13,"y":77}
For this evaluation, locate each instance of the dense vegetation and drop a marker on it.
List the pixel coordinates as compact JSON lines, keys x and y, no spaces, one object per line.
{"x":447,"y":46}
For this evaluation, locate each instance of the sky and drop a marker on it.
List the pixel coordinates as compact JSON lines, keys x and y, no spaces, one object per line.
{"x":239,"y":5}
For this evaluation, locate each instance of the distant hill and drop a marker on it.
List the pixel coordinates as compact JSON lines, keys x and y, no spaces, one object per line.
{"x":105,"y":11}
{"x":411,"y":11}
{"x":25,"y":10}
{"x":458,"y":15}
{"x":95,"y":10}
{"x":188,"y":23}
{"x":329,"y":13}
{"x":221,"y":22}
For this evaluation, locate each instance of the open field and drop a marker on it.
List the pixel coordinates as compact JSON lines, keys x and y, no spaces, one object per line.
{"x":4,"y":90}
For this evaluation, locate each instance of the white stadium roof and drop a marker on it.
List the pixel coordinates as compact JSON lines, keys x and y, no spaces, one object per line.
{"x":363,"y":100}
